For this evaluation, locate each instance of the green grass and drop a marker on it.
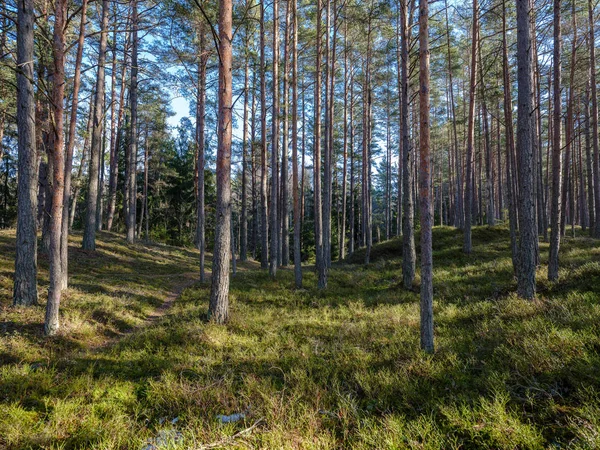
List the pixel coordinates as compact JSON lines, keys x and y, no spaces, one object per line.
{"x":339,"y":368}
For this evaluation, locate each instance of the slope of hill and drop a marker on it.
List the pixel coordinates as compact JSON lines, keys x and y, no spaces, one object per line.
{"x":339,"y":368}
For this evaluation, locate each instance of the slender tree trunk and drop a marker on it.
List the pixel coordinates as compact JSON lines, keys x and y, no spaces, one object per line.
{"x":467,"y":243}
{"x":200,"y":123}
{"x":342,"y":231}
{"x":25,"y":284}
{"x":425,"y":184}
{"x":245,"y":137}
{"x":295,"y":192}
{"x":527,"y":228}
{"x":133,"y":140}
{"x":51,"y":323}
{"x":409,"y":256}
{"x":89,"y":234}
{"x":275,"y":146}
{"x":219,"y":294}
{"x":589,"y":163}
{"x":264,"y":259}
{"x":64,"y":244}
{"x":510,"y":146}
{"x":594,"y":120}
{"x":318,"y":205}
{"x":555,"y":233}
{"x":285,"y":213}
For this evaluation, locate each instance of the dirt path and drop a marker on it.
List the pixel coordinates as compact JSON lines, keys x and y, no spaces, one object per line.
{"x":176,"y":291}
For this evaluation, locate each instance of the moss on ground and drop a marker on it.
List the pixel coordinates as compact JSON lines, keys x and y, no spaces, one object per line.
{"x":339,"y":368}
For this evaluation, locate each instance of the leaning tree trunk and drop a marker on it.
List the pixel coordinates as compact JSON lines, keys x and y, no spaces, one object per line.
{"x":219,"y":293}
{"x":425,"y":184}
{"x":51,"y":324}
{"x":556,"y":151}
{"x":89,"y":234}
{"x":25,"y":284}
{"x":527,"y":228}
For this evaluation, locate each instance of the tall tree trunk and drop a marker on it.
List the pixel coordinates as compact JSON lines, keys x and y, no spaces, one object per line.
{"x":51,"y":324}
{"x":84,"y":155}
{"x":555,"y":219}
{"x":64,"y":244}
{"x":245,"y":137}
{"x":89,"y":234}
{"x":200,"y":123}
{"x":467,"y":243}
{"x":510,"y":145}
{"x":275,"y":146}
{"x":425,"y":184}
{"x":219,"y":294}
{"x":25,"y":283}
{"x":295,"y":192}
{"x":264,"y":232}
{"x":318,"y":205}
{"x":342,"y":230}
{"x":527,"y":228}
{"x":133,"y":139}
{"x":594,"y":120}
{"x":409,"y":256}
{"x":285,"y":213}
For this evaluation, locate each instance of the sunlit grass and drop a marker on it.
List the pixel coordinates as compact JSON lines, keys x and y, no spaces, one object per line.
{"x":339,"y":368}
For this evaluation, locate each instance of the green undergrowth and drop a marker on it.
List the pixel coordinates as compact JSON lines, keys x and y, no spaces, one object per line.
{"x":339,"y":368}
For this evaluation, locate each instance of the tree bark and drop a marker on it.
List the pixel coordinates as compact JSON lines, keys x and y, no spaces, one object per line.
{"x":51,"y":324}
{"x":219,"y":294}
{"x":527,"y":229}
{"x":25,"y":283}
{"x":425,"y":184}
{"x":409,"y":256}
{"x":275,"y":146}
{"x":131,"y":159}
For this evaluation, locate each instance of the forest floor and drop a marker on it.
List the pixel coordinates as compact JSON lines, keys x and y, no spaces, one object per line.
{"x":136,"y":366}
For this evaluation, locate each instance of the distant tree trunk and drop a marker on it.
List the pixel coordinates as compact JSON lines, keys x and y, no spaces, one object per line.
{"x":115,"y":134}
{"x":425,"y":184}
{"x":25,"y":284}
{"x":366,"y":154}
{"x":556,"y":150}
{"x":352,"y":186}
{"x":200,"y":123}
{"x":264,"y":213}
{"x":133,"y":140}
{"x":84,"y":155}
{"x":527,"y":228}
{"x":145,"y":220}
{"x":400,"y":98}
{"x":51,"y":324}
{"x":589,"y":163}
{"x":510,"y":146}
{"x":245,"y":137}
{"x":285,"y":213}
{"x":295,"y":192}
{"x":275,"y":146}
{"x":594,"y":120}
{"x":89,"y":234}
{"x":219,"y":294}
{"x":342,"y":231}
{"x":467,"y":244}
{"x":409,"y":256}
{"x":321,"y":264}
{"x":64,"y":244}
